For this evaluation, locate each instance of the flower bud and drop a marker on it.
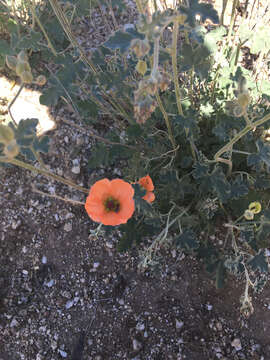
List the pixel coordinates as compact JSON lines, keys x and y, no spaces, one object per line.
{"x":6,"y":134}
{"x":21,"y":67}
{"x":11,"y":62}
{"x":140,"y":47}
{"x":26,"y":77}
{"x":243,"y":99}
{"x":141,"y":67}
{"x":41,"y":80}
{"x":12,"y":149}
{"x":22,"y":56}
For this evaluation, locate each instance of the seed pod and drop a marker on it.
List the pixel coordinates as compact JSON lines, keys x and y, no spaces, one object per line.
{"x":21,"y":67}
{"x":141,"y":67}
{"x":26,"y":77}
{"x":41,"y":80}
{"x":12,"y":149}
{"x":164,"y":81}
{"x":152,"y":86}
{"x":11,"y":62}
{"x":22,"y":56}
{"x":243,"y":99}
{"x":6,"y":134}
{"x":140,"y":47}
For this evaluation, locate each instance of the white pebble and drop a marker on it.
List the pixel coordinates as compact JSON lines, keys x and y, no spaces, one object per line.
{"x":236,"y":343}
{"x":62,"y":353}
{"x":178,"y":324}
{"x":69,"y":304}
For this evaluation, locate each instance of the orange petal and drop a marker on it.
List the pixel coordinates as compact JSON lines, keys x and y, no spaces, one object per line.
{"x":147,"y":183}
{"x":117,"y":189}
{"x":149,"y":196}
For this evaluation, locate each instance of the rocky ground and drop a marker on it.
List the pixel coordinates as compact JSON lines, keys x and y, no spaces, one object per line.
{"x":65,"y":292}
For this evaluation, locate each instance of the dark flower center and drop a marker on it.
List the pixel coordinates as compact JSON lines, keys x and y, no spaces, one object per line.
{"x":112,"y":204}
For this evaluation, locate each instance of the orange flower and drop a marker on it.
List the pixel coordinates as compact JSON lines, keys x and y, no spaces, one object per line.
{"x":110,"y":202}
{"x":147,"y":183}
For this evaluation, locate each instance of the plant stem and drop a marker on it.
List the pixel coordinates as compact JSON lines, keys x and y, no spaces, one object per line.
{"x":44,"y":172}
{"x":174,"y":64}
{"x":12,"y":102}
{"x":73,"y":202}
{"x":239,"y":136}
{"x":35,"y":17}
{"x":66,"y":27}
{"x":235,"y":2}
{"x":139,"y":6}
{"x":167,"y":121}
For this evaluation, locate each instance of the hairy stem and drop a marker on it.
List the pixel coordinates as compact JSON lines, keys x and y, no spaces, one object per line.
{"x":35,"y":18}
{"x":44,"y":172}
{"x":239,"y":136}
{"x":167,"y":121}
{"x":174,"y":64}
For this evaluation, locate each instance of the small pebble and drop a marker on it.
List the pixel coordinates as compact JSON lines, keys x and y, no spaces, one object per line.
{"x":136,"y":345}
{"x":76,"y":169}
{"x":69,"y":304}
{"x":62,"y":353}
{"x":236,"y":343}
{"x":68,"y":227}
{"x":179,"y":324}
{"x":13,"y":323}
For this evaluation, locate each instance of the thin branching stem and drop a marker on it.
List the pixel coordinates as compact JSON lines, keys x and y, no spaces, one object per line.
{"x":12,"y":103}
{"x":66,"y":27}
{"x":36,"y":18}
{"x":44,"y":172}
{"x":167,"y":121}
{"x":73,"y":202}
{"x":174,"y":65}
{"x":238,"y":136}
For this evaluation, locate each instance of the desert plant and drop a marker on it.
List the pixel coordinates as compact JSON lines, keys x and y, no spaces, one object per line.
{"x":189,"y":130}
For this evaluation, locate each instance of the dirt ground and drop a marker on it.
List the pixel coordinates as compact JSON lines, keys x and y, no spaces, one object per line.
{"x":65,"y":293}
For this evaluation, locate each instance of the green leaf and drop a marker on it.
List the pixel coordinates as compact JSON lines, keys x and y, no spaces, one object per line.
{"x":122,"y":39}
{"x":130,"y":235}
{"x":187,"y":241}
{"x":5,"y":48}
{"x":88,"y":110}
{"x":259,"y":262}
{"x":262,"y":183}
{"x":134,"y":131}
{"x":263,"y":231}
{"x":188,"y":124}
{"x":41,"y":144}
{"x":206,"y":11}
{"x":31,"y":41}
{"x":50,"y":96}
{"x":235,"y":265}
{"x":248,"y":236}
{"x":257,"y":160}
{"x":238,"y":188}
{"x":99,"y":157}
{"x":200,"y":170}
{"x":213,"y":37}
{"x":220,"y":184}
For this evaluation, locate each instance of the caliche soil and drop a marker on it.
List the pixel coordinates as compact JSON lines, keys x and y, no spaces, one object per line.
{"x":65,"y":292}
